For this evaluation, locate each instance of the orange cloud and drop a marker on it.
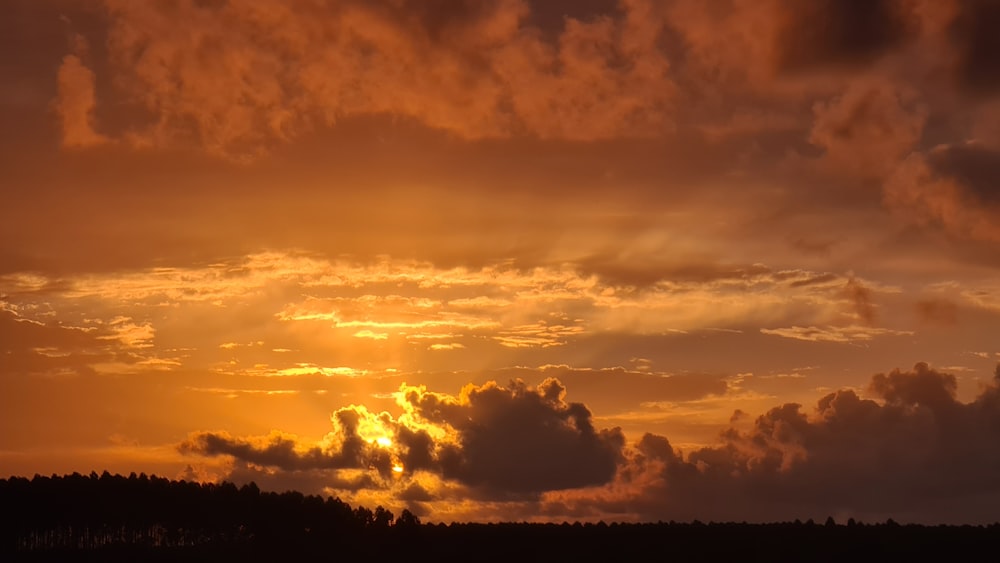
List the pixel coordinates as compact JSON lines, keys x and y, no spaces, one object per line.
{"x":951,"y":186}
{"x":76,"y":103}
{"x":241,"y":76}
{"x":867,"y":129}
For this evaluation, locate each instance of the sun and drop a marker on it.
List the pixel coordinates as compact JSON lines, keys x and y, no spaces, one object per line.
{"x":384,"y":441}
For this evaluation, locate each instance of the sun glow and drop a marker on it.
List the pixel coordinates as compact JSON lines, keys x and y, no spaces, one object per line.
{"x":397,"y":468}
{"x":384,"y":441}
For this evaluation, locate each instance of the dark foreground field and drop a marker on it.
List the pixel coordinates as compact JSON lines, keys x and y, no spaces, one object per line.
{"x":140,"y":518}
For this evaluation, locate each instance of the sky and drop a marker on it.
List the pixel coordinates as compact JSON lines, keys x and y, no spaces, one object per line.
{"x":515,"y":260}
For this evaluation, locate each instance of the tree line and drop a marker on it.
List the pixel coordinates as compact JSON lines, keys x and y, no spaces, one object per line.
{"x":80,"y":512}
{"x":116,"y":518}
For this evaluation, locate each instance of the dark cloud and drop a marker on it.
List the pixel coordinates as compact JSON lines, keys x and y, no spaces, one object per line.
{"x":911,"y":452}
{"x":551,"y":16}
{"x":937,"y":311}
{"x":976,"y":168}
{"x":923,"y":387}
{"x":415,"y":493}
{"x":820,"y":279}
{"x":475,"y":69}
{"x":826,"y":33}
{"x":349,"y":451}
{"x":308,"y":480}
{"x":440,"y":19}
{"x":954,"y":186}
{"x":915,"y":453}
{"x":513,"y":440}
{"x":973,"y":34}
{"x":860,"y":298}
{"x":520,"y":439}
{"x":630,"y":271}
{"x":278,"y":451}
{"x":617,"y":389}
{"x":866,"y":130}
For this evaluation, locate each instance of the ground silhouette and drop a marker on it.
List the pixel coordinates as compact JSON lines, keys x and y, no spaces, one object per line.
{"x":116,"y":518}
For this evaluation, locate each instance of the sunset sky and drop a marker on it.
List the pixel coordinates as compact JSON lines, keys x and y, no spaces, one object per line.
{"x":509,"y":259}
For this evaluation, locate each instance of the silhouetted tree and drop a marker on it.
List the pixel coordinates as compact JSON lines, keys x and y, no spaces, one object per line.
{"x":407,"y":520}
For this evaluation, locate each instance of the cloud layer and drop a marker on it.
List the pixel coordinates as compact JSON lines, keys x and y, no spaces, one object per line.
{"x":857,"y":93}
{"x":240,"y":76}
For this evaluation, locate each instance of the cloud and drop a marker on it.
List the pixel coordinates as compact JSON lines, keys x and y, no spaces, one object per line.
{"x":519,"y":439}
{"x":346,"y":318}
{"x":515,"y":440}
{"x":972,"y":35}
{"x":537,"y":334}
{"x":130,"y":333}
{"x":913,"y":453}
{"x":37,"y":342}
{"x":276,"y":450}
{"x":869,"y":127}
{"x":76,"y":102}
{"x":352,"y":445}
{"x":623,"y":389}
{"x":844,"y":334}
{"x":416,"y":305}
{"x":951,"y":186}
{"x":861,"y":299}
{"x":782,"y":47}
{"x":917,"y":435}
{"x":240,"y":76}
{"x":937,"y":311}
{"x":833,"y":33}
{"x":974,"y":166}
